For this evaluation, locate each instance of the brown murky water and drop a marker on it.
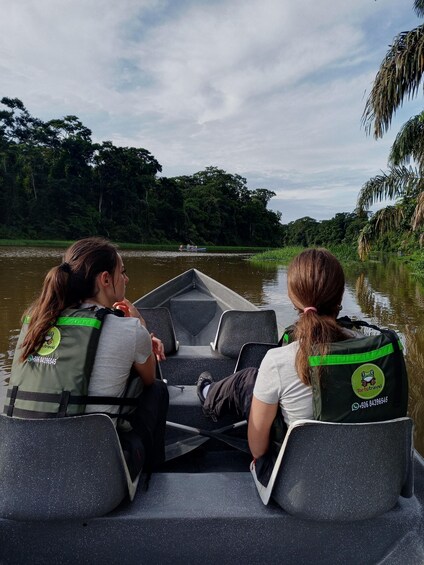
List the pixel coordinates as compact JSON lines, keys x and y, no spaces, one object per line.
{"x":383,"y":293}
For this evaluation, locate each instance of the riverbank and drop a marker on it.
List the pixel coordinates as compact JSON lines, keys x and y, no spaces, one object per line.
{"x":130,"y":246}
{"x":415,"y":261}
{"x":348,"y":257}
{"x":344,"y":253}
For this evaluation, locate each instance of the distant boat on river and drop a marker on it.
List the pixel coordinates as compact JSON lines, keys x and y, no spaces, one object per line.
{"x":192,"y":249}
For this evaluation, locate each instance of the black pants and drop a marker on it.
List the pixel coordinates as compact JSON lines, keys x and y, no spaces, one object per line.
{"x":233,"y":395}
{"x":146,"y":443}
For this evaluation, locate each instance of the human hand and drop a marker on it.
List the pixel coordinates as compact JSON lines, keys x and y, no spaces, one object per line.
{"x":123,"y":307}
{"x":129,"y":310}
{"x":158,"y":348}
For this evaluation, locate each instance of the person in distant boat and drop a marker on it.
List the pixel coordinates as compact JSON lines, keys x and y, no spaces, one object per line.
{"x":282,"y":385}
{"x":73,"y":340}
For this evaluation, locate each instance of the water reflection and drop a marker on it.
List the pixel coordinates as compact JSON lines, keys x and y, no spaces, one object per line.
{"x":382,"y":293}
{"x":390,"y":297}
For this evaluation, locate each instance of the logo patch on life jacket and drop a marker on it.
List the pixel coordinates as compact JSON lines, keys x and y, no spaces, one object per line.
{"x":51,"y":341}
{"x":368,"y":381}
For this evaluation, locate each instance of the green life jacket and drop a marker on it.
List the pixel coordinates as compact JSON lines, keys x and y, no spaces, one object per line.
{"x":53,"y":382}
{"x":362,"y":379}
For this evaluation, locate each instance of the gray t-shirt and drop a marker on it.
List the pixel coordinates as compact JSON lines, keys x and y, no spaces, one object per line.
{"x":123,"y":341}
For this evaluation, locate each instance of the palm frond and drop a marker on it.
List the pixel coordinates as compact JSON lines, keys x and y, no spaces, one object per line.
{"x":409,"y":143}
{"x":419,"y":7}
{"x":365,"y":239}
{"x":418,"y":216}
{"x":397,"y":182}
{"x":388,"y":219}
{"x":399,"y":77}
{"x":385,"y":220}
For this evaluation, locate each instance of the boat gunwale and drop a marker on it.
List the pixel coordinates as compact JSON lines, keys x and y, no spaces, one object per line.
{"x":196,"y":279}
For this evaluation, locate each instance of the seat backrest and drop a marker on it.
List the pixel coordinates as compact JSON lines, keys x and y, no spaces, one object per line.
{"x":159,"y":321}
{"x":61,"y":468}
{"x":251,"y":355}
{"x":342,"y":472}
{"x":237,"y":327}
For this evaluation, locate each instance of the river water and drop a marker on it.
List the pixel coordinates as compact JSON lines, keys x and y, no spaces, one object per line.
{"x":382,"y":293}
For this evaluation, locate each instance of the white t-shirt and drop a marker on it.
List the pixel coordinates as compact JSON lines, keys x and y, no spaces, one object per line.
{"x":122,"y":342}
{"x":278,"y":382}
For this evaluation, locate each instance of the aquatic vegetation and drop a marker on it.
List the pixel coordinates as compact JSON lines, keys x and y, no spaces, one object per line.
{"x":344,"y":252}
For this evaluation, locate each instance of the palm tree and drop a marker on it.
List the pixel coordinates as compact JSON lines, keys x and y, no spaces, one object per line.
{"x":386,"y":219}
{"x":399,"y":77}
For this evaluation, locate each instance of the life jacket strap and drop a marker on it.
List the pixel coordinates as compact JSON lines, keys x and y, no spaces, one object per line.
{"x":63,"y":399}
{"x":16,"y":394}
{"x":63,"y":404}
{"x":12,"y":394}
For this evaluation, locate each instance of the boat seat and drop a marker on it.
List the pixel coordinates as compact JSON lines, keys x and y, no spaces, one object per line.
{"x":342,"y":472}
{"x":251,"y":355}
{"x":61,"y":468}
{"x":193,"y":310}
{"x":159,"y":321}
{"x":237,"y":327}
{"x":185,"y":366}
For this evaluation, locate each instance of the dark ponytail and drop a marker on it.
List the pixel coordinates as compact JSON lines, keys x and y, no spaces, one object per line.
{"x":67,"y":285}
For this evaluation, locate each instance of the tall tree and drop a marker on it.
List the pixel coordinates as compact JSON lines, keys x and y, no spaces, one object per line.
{"x":399,"y":77}
{"x":125,"y":177}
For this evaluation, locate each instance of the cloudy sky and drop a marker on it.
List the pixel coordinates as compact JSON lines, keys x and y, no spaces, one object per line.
{"x":272,"y":90}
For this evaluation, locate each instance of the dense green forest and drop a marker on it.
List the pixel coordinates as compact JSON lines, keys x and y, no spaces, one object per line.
{"x":343,"y":228}
{"x":57,"y":184}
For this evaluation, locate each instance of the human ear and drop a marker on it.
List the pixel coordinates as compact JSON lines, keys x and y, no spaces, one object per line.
{"x":104,"y":278}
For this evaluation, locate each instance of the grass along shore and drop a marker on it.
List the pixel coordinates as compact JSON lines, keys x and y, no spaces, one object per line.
{"x":347,"y":256}
{"x":344,"y":253}
{"x":130,"y":246}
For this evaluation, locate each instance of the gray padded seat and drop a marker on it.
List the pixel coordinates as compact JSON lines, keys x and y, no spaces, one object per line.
{"x":159,"y":321}
{"x":61,"y":468}
{"x":251,"y":355}
{"x":342,"y":472}
{"x":237,"y":327}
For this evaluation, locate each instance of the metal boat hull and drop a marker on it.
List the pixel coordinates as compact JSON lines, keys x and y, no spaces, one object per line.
{"x":204,"y":507}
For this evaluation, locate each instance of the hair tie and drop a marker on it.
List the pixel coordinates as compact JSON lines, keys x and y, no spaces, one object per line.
{"x":65,"y":267}
{"x":310,"y":308}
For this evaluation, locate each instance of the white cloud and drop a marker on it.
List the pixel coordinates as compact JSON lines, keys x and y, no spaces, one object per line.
{"x":269,"y":89}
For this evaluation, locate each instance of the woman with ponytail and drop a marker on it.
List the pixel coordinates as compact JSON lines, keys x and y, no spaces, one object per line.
{"x":315,"y":282}
{"x":282,"y":384}
{"x":89,"y":282}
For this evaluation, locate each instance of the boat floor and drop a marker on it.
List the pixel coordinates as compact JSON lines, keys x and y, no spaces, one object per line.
{"x":203,"y":507}
{"x":215,"y":517}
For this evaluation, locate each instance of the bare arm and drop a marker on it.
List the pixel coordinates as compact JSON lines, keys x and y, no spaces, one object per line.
{"x":131,"y":311}
{"x":147,"y":370}
{"x":260,"y":421}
